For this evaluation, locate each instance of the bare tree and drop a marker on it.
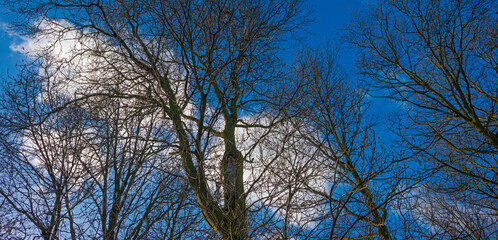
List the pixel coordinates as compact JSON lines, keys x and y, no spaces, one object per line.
{"x":331,"y":115}
{"x":41,"y":182}
{"x":206,"y":64}
{"x":134,"y":184}
{"x":438,"y":60}
{"x":97,"y":168}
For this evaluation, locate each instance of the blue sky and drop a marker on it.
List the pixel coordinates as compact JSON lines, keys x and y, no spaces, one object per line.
{"x":9,"y":58}
{"x":329,"y":16}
